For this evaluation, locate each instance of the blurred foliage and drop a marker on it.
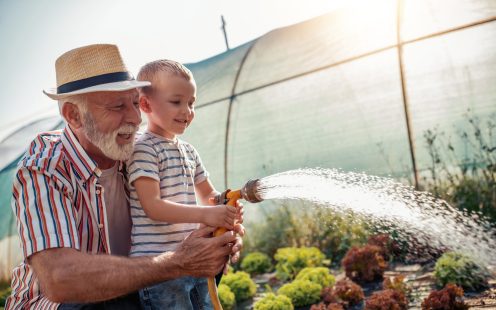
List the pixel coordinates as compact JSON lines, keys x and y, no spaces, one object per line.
{"x":319,"y":275}
{"x":457,"y":268}
{"x":240,"y":284}
{"x":387,"y":299}
{"x":390,"y":248}
{"x":301,"y":292}
{"x":5,"y":291}
{"x":226,"y":297}
{"x":324,"y":306}
{"x":295,"y":224}
{"x":449,"y":298}
{"x":364,"y":264}
{"x":290,"y":261}
{"x":396,"y":283}
{"x":256,"y":263}
{"x":468,"y":183}
{"x":270,"y":301}
{"x":345,"y":292}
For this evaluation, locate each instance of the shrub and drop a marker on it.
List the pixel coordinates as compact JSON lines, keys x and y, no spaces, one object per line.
{"x":389,"y":248}
{"x":449,"y":298}
{"x":463,"y":173}
{"x":226,"y":297}
{"x":319,"y":275}
{"x":323,"y":306}
{"x":301,"y":292}
{"x":396,"y":283}
{"x":364,"y":264}
{"x":294,"y":224}
{"x":345,"y":292}
{"x":256,"y":263}
{"x":291,"y":260}
{"x":459,"y":269}
{"x":4,"y":293}
{"x":240,"y":284}
{"x":274,"y":302}
{"x":385,"y":300}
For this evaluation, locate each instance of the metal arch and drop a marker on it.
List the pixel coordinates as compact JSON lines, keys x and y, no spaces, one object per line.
{"x":351,"y":59}
{"x":231,"y":100}
{"x":399,"y":45}
{"x":404,"y":93}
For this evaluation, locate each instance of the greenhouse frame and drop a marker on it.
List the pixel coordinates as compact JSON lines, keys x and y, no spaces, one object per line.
{"x":354,"y":89}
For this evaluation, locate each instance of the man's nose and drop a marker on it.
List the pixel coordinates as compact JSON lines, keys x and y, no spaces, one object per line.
{"x":133,"y":115}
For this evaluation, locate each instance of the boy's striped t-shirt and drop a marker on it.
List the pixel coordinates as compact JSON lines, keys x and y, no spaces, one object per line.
{"x":177,"y":166}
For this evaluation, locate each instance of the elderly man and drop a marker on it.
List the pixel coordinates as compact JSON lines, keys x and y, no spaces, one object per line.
{"x":70,"y":199}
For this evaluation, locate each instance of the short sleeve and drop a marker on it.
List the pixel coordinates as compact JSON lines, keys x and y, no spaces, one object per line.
{"x":44,"y":212}
{"x":143,"y":162}
{"x":201,"y":174}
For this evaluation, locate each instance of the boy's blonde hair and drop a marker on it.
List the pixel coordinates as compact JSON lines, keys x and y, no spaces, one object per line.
{"x":150,"y":70}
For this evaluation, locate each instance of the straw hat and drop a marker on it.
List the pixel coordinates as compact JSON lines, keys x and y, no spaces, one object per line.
{"x":91,"y":68}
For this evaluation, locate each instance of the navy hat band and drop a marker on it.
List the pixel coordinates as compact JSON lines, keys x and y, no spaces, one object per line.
{"x":93,"y":81}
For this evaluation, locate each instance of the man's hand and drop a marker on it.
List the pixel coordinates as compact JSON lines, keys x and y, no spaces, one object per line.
{"x":238,"y":243}
{"x":240,"y":211}
{"x":201,"y":255}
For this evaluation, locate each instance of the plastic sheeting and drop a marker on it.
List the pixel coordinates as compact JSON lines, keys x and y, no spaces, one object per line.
{"x":328,"y":92}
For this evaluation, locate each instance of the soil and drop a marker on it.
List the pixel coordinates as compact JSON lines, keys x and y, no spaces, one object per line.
{"x":419,"y":277}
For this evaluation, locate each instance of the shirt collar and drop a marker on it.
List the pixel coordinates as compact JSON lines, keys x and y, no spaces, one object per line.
{"x":84,"y":165}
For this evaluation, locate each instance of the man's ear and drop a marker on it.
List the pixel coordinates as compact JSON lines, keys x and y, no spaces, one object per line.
{"x":72,"y":114}
{"x":144,"y":104}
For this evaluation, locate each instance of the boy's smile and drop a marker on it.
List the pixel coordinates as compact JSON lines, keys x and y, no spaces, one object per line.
{"x":170,"y":109}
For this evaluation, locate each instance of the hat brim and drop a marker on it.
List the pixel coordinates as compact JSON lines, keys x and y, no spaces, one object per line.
{"x":115,"y":86}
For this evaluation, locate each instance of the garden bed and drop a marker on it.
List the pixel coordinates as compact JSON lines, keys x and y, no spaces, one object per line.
{"x":420,"y":278}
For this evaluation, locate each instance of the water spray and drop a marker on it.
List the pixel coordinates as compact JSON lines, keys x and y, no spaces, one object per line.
{"x":249,"y":192}
{"x":432,"y":221}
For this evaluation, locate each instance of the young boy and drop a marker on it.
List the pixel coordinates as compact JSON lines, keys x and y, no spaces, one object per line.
{"x":166,"y":177}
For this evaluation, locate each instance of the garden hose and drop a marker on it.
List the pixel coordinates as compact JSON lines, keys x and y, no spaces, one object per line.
{"x":249,"y":193}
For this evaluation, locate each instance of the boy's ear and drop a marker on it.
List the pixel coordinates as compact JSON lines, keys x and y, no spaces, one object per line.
{"x":145,"y":104}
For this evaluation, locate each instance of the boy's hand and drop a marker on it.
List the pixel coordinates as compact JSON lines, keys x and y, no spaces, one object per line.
{"x":220,"y":216}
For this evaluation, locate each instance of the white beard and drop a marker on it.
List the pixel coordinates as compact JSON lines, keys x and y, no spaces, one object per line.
{"x":107,"y":142}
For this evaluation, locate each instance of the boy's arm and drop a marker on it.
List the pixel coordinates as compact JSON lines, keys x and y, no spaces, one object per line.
{"x":159,"y":209}
{"x":206,"y":191}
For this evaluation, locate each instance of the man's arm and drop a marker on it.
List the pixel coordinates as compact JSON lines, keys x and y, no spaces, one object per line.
{"x":67,"y":275}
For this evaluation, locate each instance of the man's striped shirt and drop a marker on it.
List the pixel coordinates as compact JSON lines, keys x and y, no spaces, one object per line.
{"x":58,"y":203}
{"x":177,"y":167}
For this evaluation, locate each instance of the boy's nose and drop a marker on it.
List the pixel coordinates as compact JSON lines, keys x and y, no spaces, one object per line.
{"x":186,"y":110}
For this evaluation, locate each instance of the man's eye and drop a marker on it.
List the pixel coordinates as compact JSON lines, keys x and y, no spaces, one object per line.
{"x":176,"y":102}
{"x":117,"y":107}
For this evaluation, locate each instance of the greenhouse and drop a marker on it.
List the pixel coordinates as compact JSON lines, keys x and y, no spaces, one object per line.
{"x":357,"y":90}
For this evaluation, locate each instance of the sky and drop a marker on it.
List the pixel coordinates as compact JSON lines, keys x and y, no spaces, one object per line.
{"x":33,"y":33}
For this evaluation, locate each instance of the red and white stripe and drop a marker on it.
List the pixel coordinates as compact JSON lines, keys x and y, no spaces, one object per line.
{"x":56,"y":204}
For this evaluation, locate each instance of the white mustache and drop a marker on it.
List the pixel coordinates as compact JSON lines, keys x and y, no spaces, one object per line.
{"x":126,"y":130}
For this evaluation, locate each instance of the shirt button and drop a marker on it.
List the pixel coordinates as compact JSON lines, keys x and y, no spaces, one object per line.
{"x":100,"y":225}
{"x":98,"y":192}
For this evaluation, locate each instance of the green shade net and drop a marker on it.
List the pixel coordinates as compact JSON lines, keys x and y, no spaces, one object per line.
{"x":328,"y":92}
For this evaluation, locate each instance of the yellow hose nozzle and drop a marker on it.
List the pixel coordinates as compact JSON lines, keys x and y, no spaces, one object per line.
{"x":248,"y":192}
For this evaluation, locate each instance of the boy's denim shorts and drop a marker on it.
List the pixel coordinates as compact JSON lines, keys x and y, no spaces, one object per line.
{"x":183,"y":293}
